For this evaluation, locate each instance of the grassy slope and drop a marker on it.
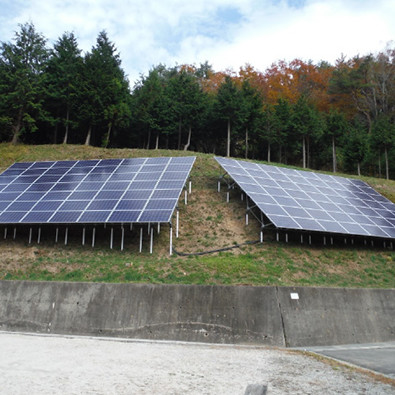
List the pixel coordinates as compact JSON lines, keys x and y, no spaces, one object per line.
{"x":207,"y":222}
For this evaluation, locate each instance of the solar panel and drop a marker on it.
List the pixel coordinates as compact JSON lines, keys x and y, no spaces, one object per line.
{"x":140,"y":190}
{"x":302,"y":200}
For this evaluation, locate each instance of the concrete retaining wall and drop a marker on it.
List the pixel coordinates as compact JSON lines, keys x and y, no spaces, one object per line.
{"x":219,"y":314}
{"x":329,"y":316}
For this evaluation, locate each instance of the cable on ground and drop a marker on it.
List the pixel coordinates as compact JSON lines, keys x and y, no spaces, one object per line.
{"x":217,"y":250}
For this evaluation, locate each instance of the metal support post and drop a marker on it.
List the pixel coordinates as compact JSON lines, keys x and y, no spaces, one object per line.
{"x":277,"y":236}
{"x":301,"y":239}
{"x":324,"y":241}
{"x":186,"y":197}
{"x":158,"y":227}
{"x":66,"y":234}
{"x":227,"y":197}
{"x":151,"y":241}
{"x":111,"y":238}
{"x":14,"y":237}
{"x":141,"y":239}
{"x":286,"y":237}
{"x":171,"y":240}
{"x":190,"y":186}
{"x":219,"y":186}
{"x":56,"y":235}
{"x":93,"y":236}
{"x":39,"y":235}
{"x":30,"y":235}
{"x":177,"y":222}
{"x":83,"y":236}
{"x":5,"y":233}
{"x":122,"y":237}
{"x":261,"y":236}
{"x":310,"y":239}
{"x":246,"y":218}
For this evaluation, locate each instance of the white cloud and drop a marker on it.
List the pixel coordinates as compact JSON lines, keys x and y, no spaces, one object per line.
{"x":226,"y":33}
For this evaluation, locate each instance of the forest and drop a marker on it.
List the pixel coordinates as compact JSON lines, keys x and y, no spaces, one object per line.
{"x":338,"y":118}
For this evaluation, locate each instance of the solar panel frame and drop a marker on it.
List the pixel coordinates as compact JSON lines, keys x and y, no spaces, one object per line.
{"x":312,"y":201}
{"x":95,"y":191}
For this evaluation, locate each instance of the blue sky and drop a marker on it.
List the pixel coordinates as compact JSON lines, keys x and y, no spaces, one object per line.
{"x":226,"y":33}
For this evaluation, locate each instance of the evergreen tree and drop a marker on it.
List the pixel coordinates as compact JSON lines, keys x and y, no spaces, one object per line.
{"x":22,"y":89}
{"x":307,"y":125}
{"x":383,"y":137}
{"x":104,"y":99}
{"x":187,"y":101}
{"x":252,"y":110}
{"x":355,"y":148}
{"x":62,"y":78}
{"x":336,"y":126}
{"x":228,"y":107}
{"x":153,"y":103}
{"x":281,"y":125}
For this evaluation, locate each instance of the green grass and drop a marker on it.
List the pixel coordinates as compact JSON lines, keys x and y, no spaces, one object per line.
{"x":207,"y":222}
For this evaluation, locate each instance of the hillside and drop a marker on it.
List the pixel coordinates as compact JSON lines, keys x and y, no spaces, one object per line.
{"x":206,"y":223}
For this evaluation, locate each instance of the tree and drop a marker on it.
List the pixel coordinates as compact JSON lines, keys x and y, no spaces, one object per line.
{"x":104,"y":90}
{"x":187,"y":101}
{"x":383,"y":137}
{"x":355,"y":147}
{"x":251,"y":109}
{"x":62,"y":78}
{"x":153,"y":104}
{"x":306,"y":124}
{"x":336,"y":126}
{"x":22,"y":68}
{"x":281,"y":124}
{"x":228,"y":107}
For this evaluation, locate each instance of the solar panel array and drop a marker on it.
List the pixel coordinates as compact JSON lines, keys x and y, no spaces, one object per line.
{"x":141,"y":190}
{"x":303,"y":200}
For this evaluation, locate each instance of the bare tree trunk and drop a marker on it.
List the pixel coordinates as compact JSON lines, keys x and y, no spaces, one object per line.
{"x":186,"y":146}
{"x":228,"y":140}
{"x":108,"y":134}
{"x":387,"y":172}
{"x":17,"y":127}
{"x":359,"y":168}
{"x":88,"y":136}
{"x":268,"y":152}
{"x":334,"y":154}
{"x":179,"y":134}
{"x":66,"y":134}
{"x":304,"y":153}
{"x":157,"y":141}
{"x":246,"y":143}
{"x":149,"y":138}
{"x":380,"y":164}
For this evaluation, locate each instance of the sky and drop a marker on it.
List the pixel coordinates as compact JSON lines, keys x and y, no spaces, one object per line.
{"x":227,"y":33}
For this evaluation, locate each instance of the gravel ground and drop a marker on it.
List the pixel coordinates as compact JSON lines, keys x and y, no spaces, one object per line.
{"x":38,"y":364}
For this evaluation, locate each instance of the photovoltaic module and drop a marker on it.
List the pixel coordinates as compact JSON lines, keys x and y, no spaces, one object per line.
{"x":304,"y":200}
{"x":134,"y":190}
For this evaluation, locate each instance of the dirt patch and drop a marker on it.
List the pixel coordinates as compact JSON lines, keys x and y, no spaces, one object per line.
{"x":213,"y":223}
